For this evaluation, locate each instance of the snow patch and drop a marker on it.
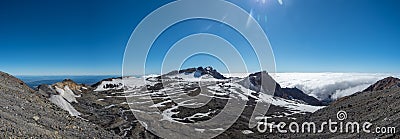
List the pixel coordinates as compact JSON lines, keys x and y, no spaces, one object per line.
{"x":67,"y":94}
{"x":190,"y":77}
{"x":200,"y":130}
{"x":130,"y":83}
{"x":217,"y":129}
{"x":293,"y":106}
{"x":63,"y":104}
{"x":247,"y":132}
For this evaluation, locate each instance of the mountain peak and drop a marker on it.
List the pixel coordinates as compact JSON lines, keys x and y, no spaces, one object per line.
{"x":71,"y":84}
{"x":198,"y":72}
{"x":387,"y":83}
{"x":260,"y":82}
{"x":263,"y":82}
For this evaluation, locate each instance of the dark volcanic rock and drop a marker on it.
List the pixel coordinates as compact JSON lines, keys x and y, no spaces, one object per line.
{"x":108,"y":79}
{"x":25,"y":114}
{"x":297,"y":94}
{"x":46,"y":90}
{"x":262,"y":82}
{"x":157,"y":86}
{"x":111,"y":113}
{"x":198,"y":72}
{"x":13,"y":83}
{"x":387,"y":83}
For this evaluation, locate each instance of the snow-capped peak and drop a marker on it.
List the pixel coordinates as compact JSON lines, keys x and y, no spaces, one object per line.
{"x":199,"y":72}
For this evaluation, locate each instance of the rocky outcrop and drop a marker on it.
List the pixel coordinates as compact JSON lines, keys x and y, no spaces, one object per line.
{"x":197,"y":72}
{"x":387,"y":83}
{"x":77,"y":88}
{"x":26,"y":114}
{"x":48,"y":90}
{"x":63,"y":94}
{"x":99,"y":83}
{"x":200,"y":71}
{"x":262,"y":82}
{"x":297,"y":94}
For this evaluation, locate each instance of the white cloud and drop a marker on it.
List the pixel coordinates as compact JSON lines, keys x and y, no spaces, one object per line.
{"x":329,"y":85}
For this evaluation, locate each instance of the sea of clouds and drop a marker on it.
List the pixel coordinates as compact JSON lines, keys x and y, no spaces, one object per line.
{"x":325,"y":86}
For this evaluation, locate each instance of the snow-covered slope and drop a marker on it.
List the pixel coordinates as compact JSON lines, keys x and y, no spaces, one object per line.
{"x":292,"y":105}
{"x":127,"y":83}
{"x":62,"y":95}
{"x":63,"y":104}
{"x":191,"y":77}
{"x":181,"y":97}
{"x":173,"y":98}
{"x":67,"y":94}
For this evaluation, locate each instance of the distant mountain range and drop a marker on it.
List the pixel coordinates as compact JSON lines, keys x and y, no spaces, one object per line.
{"x":101,"y":109}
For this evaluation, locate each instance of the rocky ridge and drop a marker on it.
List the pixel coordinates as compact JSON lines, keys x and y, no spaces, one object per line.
{"x":387,"y":83}
{"x":25,"y":114}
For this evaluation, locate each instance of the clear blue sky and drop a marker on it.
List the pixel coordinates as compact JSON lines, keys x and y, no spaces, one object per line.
{"x":73,"y":37}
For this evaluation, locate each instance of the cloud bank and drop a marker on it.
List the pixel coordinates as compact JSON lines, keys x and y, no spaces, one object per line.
{"x":325,"y":86}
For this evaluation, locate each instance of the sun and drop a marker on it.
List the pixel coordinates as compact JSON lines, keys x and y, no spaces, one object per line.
{"x":259,"y":8}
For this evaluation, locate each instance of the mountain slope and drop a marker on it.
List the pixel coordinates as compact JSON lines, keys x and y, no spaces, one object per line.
{"x":387,"y":83}
{"x":63,"y":94}
{"x":103,"y":104}
{"x":25,"y":114}
{"x":378,"y":104}
{"x":107,"y":105}
{"x":254,"y":82}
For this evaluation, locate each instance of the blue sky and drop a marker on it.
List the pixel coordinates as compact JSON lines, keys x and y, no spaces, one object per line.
{"x":45,"y":37}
